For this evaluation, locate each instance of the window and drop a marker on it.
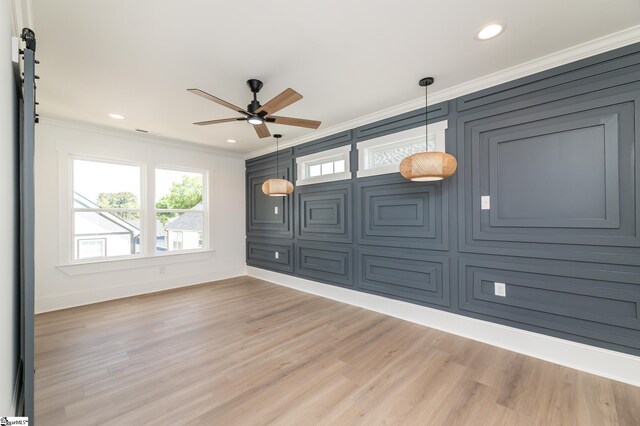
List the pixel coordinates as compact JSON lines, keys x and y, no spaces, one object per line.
{"x":114,"y":215}
{"x":383,"y":155}
{"x":106,"y":208}
{"x":325,"y":166}
{"x":179,"y":209}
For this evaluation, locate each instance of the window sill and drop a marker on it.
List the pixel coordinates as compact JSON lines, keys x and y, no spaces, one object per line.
{"x":86,"y":268}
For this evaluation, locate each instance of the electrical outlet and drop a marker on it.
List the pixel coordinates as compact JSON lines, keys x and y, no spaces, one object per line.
{"x":275,"y":210}
{"x":277,"y":255}
{"x":485,"y":202}
{"x":500,"y":289}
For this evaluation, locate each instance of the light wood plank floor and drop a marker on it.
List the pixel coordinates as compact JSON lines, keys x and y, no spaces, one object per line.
{"x":247,"y":352}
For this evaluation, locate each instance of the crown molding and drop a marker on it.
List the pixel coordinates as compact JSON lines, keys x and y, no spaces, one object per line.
{"x":145,"y":138}
{"x":584,"y":50}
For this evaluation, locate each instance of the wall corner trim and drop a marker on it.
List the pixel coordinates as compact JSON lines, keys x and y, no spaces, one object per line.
{"x":602,"y":362}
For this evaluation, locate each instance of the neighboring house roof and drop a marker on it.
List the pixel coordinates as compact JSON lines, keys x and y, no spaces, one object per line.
{"x":110,"y":222}
{"x":189,"y":221}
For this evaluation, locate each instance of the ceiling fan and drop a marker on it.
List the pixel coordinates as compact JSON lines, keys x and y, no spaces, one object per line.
{"x":258,"y":114}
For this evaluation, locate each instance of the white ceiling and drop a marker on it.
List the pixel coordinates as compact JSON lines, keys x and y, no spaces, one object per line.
{"x":347,"y":58}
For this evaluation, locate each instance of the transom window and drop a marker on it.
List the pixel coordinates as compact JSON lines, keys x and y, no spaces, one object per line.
{"x":325,"y":166}
{"x":383,"y":155}
{"x":116,"y":215}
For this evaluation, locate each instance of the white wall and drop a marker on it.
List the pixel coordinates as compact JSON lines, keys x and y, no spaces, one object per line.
{"x":9,"y":272}
{"x":59,"y":286}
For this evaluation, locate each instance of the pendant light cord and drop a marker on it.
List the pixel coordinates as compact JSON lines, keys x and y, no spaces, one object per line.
{"x":426,"y":118}
{"x":277,"y":174}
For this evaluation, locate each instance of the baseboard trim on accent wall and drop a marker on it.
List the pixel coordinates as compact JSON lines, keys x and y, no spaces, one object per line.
{"x":71,"y":300}
{"x":602,"y":362}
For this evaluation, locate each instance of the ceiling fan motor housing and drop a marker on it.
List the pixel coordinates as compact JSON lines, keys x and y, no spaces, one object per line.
{"x":253,"y":106}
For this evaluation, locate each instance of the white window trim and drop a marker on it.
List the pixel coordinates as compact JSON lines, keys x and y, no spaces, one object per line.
{"x":438,"y":129}
{"x":71,"y":266}
{"x":342,"y":151}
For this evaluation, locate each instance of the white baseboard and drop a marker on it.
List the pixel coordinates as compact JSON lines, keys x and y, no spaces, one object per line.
{"x":88,"y":297}
{"x":602,"y":362}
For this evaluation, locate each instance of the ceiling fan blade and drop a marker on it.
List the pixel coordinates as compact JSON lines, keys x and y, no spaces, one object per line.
{"x":222,"y":120}
{"x":262,"y":131}
{"x":284,"y":99}
{"x":218,"y":100}
{"x":300,"y":122}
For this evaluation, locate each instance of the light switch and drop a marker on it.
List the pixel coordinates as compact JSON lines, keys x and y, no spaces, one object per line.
{"x":500,"y":289}
{"x":277,"y":255}
{"x":485,"y":202}
{"x":275,"y":210}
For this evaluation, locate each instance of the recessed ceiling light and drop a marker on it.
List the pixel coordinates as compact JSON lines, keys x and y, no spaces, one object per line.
{"x":116,"y":116}
{"x":231,"y":140}
{"x":490,"y":31}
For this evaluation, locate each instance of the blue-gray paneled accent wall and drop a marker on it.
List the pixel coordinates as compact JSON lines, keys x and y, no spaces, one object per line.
{"x":558,"y":153}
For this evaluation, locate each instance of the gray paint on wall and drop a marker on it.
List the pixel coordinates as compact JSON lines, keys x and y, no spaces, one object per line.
{"x":559,"y":155}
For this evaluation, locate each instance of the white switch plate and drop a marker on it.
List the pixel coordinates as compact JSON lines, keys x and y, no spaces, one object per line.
{"x":485,"y":202}
{"x":275,"y":210}
{"x":500,"y":289}
{"x":277,"y":255}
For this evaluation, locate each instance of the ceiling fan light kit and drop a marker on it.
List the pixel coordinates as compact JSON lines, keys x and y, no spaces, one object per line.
{"x":277,"y":187}
{"x":429,"y":165}
{"x":258,"y":115}
{"x":256,"y":120}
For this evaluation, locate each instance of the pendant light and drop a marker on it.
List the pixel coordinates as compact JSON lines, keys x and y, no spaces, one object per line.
{"x":277,"y":187}
{"x":428,"y":165}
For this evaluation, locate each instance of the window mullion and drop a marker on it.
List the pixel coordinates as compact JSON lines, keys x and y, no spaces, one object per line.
{"x":149,"y":234}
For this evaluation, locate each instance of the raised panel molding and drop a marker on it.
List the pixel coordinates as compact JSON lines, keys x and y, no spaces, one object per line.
{"x":262,"y":253}
{"x":579,"y":155}
{"x":326,"y":263}
{"x":325,"y":212}
{"x":405,"y":274}
{"x":602,"y":305}
{"x":395,"y":213}
{"x":262,"y":217}
{"x":559,"y":177}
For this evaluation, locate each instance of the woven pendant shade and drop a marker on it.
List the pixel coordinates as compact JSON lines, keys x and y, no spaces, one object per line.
{"x":277,"y":187}
{"x":428,"y":166}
